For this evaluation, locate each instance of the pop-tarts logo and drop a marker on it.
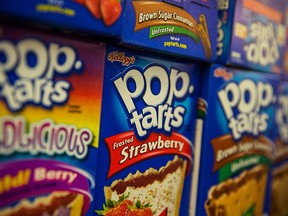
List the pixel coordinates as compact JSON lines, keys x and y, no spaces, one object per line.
{"x":28,"y":69}
{"x":282,"y":117}
{"x":159,"y":112}
{"x":243,"y":105}
{"x":263,"y":47}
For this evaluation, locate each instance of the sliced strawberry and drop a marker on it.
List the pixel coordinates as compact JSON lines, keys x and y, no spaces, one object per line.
{"x":79,"y":1}
{"x":120,"y":210}
{"x":110,"y":11}
{"x":116,"y":208}
{"x":94,"y":7}
{"x":140,"y":212}
{"x":139,"y":209}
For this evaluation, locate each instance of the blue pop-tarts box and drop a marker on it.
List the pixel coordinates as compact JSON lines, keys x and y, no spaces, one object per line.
{"x":146,"y":135}
{"x":251,"y":34}
{"x":187,"y":27}
{"x":233,"y":142}
{"x":80,"y":16}
{"x":279,"y":183}
{"x":285,"y":58}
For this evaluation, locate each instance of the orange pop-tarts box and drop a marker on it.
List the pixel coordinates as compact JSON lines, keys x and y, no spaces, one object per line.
{"x":50,"y":99}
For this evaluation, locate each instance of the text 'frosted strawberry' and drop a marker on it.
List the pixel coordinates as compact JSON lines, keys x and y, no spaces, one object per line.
{"x":150,"y":97}
{"x":29,"y":70}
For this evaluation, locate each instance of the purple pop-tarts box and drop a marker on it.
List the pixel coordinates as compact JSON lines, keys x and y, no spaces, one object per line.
{"x":186,"y":27}
{"x":233,"y":142}
{"x":92,"y":17}
{"x":146,"y":136}
{"x":251,"y":34}
{"x":279,"y":185}
{"x":50,"y":101}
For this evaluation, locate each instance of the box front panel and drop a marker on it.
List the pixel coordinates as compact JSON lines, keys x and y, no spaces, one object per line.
{"x":51,"y":92}
{"x":236,"y":150}
{"x":146,"y":138}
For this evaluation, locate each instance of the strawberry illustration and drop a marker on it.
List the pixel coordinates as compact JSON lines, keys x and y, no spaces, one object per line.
{"x":139,"y":209}
{"x":94,"y":7}
{"x":140,"y":212}
{"x":110,"y":11}
{"x":79,"y":1}
{"x":116,"y":208}
{"x":120,"y":210}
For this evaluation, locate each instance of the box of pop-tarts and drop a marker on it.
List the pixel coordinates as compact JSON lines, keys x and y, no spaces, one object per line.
{"x":233,"y":146}
{"x":50,"y":101}
{"x":186,"y":28}
{"x":95,"y":17}
{"x":279,"y":187}
{"x":285,"y":58}
{"x":146,"y":135}
{"x":251,"y":34}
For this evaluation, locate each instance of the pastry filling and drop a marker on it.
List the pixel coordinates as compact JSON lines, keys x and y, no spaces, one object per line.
{"x":56,"y":204}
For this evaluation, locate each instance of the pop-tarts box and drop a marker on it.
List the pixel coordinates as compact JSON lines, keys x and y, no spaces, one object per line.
{"x":50,"y":101}
{"x":92,"y":17}
{"x":233,"y":145}
{"x":285,"y":59}
{"x":251,"y":34}
{"x":279,"y":188}
{"x":186,"y":27}
{"x":146,"y":135}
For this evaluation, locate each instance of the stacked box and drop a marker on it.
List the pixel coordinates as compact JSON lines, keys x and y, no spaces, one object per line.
{"x":279,"y":195}
{"x":101,"y":17}
{"x":251,"y":34}
{"x":146,"y":136}
{"x":185,"y":28}
{"x":285,"y":59}
{"x":50,"y":101}
{"x":233,"y":146}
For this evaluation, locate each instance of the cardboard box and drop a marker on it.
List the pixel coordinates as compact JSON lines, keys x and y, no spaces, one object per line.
{"x":185,"y":28}
{"x":146,"y":136}
{"x":79,"y":16}
{"x":251,"y":34}
{"x":285,"y":58}
{"x":233,"y":146}
{"x":51,"y":92}
{"x":279,"y":195}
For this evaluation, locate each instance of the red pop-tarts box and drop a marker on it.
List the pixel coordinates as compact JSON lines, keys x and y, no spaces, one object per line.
{"x":146,"y":135}
{"x":251,"y":34}
{"x":101,"y":17}
{"x":50,"y":101}
{"x":186,"y":27}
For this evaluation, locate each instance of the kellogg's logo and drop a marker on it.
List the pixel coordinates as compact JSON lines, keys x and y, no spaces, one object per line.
{"x":28,"y":69}
{"x":121,"y":57}
{"x":157,"y":90}
{"x":243,"y":105}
